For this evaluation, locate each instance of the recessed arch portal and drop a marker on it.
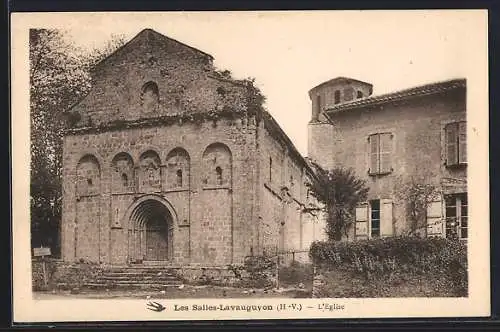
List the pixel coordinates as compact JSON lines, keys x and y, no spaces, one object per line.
{"x":151,"y":235}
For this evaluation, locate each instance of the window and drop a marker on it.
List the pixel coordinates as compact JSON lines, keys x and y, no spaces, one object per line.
{"x":456,"y":143}
{"x":337,"y":97}
{"x":375,"y":218}
{"x":318,"y":104}
{"x":124,"y":180}
{"x":456,"y":216}
{"x":218,"y":172}
{"x":150,"y":95}
{"x":380,"y":153}
{"x":359,"y":94}
{"x":179,"y":177}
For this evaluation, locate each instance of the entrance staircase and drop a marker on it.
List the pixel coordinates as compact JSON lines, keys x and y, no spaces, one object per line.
{"x":134,"y":277}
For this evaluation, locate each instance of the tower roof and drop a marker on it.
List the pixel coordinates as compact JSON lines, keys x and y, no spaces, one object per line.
{"x":337,"y":80}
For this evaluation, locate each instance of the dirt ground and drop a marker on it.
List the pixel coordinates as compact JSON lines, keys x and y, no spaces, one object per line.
{"x":185,"y":292}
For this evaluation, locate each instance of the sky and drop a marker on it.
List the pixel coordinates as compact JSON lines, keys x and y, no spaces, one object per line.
{"x":288,"y":53}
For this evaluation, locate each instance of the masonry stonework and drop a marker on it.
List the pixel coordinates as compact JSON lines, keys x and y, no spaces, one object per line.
{"x":166,"y":160}
{"x":414,"y":121}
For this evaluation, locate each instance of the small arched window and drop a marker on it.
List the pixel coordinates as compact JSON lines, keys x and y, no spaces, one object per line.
{"x":89,"y":182}
{"x":337,"y":97}
{"x":179,"y":177}
{"x":317,"y":109}
{"x":359,"y":94}
{"x":218,"y":172}
{"x":150,"y":95}
{"x":124,"y":180}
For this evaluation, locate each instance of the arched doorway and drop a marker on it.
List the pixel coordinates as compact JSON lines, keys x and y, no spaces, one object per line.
{"x":151,"y":235}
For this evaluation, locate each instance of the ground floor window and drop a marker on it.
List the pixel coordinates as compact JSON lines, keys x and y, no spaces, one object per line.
{"x":375,"y":218}
{"x":456,"y":216}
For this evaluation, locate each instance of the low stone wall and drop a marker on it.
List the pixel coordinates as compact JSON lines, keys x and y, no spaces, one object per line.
{"x":62,"y":275}
{"x":199,"y":274}
{"x":317,"y":285}
{"x":74,"y":276}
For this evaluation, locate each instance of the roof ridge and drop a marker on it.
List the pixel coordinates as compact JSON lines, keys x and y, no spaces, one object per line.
{"x":423,"y":89}
{"x":175,"y":40}
{"x":149,"y":30}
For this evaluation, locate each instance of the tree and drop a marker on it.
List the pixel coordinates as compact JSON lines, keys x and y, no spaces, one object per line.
{"x":416,"y":194}
{"x":59,"y":76}
{"x":340,"y":190}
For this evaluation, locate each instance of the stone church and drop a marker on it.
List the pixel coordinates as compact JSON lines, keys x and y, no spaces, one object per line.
{"x":169,"y":161}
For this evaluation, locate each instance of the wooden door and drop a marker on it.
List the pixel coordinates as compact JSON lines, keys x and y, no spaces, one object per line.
{"x":156,"y":240}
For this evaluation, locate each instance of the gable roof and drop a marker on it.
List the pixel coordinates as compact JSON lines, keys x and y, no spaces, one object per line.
{"x":419,"y":91}
{"x":147,"y":34}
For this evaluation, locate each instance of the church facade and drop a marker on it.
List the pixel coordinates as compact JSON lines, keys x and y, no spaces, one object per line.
{"x":168,"y":160}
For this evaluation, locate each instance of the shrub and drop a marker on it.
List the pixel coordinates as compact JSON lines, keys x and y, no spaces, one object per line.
{"x":398,"y":260}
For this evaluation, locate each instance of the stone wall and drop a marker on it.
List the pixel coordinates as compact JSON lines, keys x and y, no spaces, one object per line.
{"x":418,"y":144}
{"x":154,"y":75}
{"x":212,"y":221}
{"x":283,"y":195}
{"x":162,"y":125}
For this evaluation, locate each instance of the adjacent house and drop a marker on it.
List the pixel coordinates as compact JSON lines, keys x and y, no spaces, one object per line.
{"x":413,"y":137}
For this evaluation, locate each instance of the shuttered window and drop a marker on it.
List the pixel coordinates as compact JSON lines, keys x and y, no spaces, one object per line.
{"x":386,"y":217}
{"x":361,"y":222}
{"x":374,"y":219}
{"x":435,"y":219}
{"x":456,"y":143}
{"x":380,"y":153}
{"x":456,"y":216}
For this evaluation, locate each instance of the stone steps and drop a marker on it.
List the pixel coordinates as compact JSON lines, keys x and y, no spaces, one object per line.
{"x":130,"y":286}
{"x":134,"y":278}
{"x":137,"y":277}
{"x":132,"y":274}
{"x":144,"y":281}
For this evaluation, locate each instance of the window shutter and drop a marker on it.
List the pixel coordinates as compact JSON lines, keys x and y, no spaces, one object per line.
{"x":451,"y":144}
{"x":462,"y":142}
{"x":361,"y":221}
{"x":374,"y":154}
{"x":385,"y":153}
{"x":386,"y":227}
{"x":435,"y":219}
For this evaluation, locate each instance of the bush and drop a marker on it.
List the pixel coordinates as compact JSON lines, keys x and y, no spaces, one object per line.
{"x":398,"y":261}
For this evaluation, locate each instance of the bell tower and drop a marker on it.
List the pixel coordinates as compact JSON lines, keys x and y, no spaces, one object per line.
{"x":336,"y":91}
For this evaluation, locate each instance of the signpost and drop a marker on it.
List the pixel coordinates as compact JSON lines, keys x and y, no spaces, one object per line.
{"x":42,"y":252}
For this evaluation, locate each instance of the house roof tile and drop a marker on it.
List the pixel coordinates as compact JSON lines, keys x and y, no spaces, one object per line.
{"x":423,"y":90}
